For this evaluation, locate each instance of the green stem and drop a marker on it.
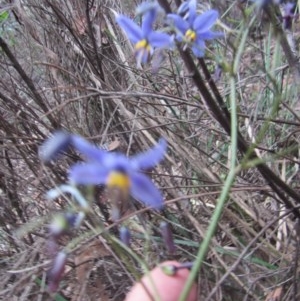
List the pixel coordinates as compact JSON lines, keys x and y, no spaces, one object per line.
{"x":221,"y":200}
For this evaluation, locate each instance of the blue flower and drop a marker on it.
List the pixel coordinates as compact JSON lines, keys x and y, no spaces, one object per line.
{"x":144,"y":38}
{"x":194,"y":29}
{"x":117,"y":170}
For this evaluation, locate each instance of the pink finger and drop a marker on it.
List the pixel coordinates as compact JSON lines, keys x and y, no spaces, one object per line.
{"x":167,"y":287}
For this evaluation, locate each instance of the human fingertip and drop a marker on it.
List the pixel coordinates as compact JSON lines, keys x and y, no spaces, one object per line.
{"x":167,"y":287}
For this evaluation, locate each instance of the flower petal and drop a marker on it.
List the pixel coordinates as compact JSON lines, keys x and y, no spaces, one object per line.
{"x":117,"y":162}
{"x":160,"y":40}
{"x":151,"y":157}
{"x":144,"y":7}
{"x":54,"y":146}
{"x":181,"y":24}
{"x":183,"y":9}
{"x":90,"y":151}
{"x":88,"y":174}
{"x":142,"y":56}
{"x":198,"y":48}
{"x":210,"y":35}
{"x":145,"y":191}
{"x":133,"y":31}
{"x":148,"y":20}
{"x":192,"y":12}
{"x":205,"y":21}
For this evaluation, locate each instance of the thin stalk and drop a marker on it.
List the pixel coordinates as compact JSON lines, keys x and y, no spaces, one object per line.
{"x":221,"y":200}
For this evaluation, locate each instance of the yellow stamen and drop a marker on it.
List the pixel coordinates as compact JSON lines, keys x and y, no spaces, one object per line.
{"x":118,"y":180}
{"x":190,"y":35}
{"x":142,"y":44}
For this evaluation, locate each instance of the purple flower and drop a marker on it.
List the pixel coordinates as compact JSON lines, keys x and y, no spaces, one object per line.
{"x":194,"y":29}
{"x":115,"y":170}
{"x":144,"y":38}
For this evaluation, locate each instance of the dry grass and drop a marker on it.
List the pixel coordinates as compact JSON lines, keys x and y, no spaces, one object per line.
{"x":62,"y":69}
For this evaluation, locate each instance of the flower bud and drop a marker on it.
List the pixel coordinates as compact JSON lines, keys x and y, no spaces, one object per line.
{"x":56,"y":272}
{"x":289,"y":14}
{"x":58,"y":225}
{"x":125,"y":236}
{"x":167,"y":236}
{"x":61,"y":223}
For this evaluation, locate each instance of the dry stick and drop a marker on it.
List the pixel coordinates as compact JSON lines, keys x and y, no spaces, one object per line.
{"x":37,"y":97}
{"x":92,"y":37}
{"x":62,"y":18}
{"x":221,"y":114}
{"x":244,"y":252}
{"x":213,"y":87}
{"x":295,"y":273}
{"x":279,"y":121}
{"x":13,"y":104}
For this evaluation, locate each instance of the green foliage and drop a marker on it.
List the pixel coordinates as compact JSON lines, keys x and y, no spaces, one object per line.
{"x":4,"y":16}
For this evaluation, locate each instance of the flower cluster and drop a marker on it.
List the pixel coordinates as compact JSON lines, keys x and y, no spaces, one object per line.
{"x":114,"y":170}
{"x":144,"y":38}
{"x":190,"y":28}
{"x":194,"y":29}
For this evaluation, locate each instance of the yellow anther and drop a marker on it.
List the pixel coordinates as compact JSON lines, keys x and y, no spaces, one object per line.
{"x":190,"y":35}
{"x":118,"y":180}
{"x":142,"y":44}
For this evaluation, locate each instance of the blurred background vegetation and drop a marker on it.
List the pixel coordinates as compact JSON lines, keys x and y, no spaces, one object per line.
{"x":67,"y":65}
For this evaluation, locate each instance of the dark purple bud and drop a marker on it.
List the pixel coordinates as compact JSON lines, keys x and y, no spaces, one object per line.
{"x":56,"y":272}
{"x":289,"y":14}
{"x":167,"y":236}
{"x":54,"y":146}
{"x":125,"y":236}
